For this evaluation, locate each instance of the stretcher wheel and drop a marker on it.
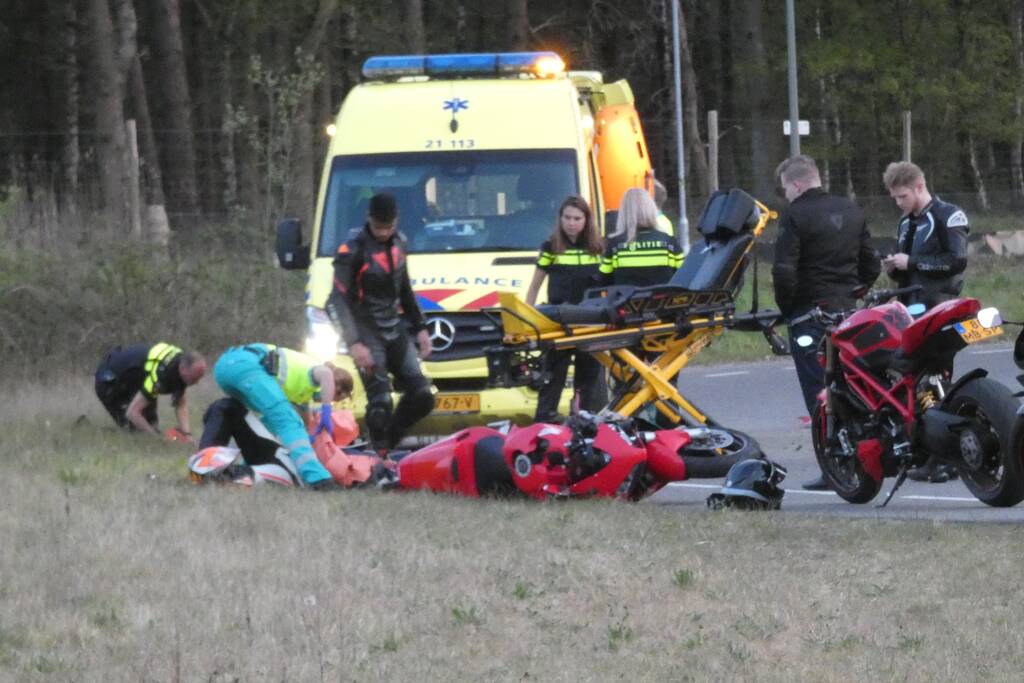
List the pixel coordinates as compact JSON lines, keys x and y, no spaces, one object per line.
{"x":714,"y":450}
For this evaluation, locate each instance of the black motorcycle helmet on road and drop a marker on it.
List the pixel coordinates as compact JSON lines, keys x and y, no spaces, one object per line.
{"x":751,"y":485}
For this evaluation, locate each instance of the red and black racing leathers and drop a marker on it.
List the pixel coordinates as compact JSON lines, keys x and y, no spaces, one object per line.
{"x":372,"y":303}
{"x":372,"y":292}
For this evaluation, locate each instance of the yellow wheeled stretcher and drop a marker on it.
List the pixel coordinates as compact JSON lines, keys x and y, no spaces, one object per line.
{"x":646,"y":335}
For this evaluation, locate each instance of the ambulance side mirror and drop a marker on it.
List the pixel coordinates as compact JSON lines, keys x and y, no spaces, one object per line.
{"x":291,"y":254}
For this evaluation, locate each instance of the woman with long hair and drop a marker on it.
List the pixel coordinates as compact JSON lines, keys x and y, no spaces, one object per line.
{"x":570,"y":260}
{"x":638,"y":253}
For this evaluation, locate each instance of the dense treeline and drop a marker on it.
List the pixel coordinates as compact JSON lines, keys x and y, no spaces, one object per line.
{"x":227,"y":99}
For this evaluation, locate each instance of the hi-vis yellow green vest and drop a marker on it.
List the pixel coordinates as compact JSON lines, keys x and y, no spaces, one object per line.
{"x":295,"y":375}
{"x":159,"y":355}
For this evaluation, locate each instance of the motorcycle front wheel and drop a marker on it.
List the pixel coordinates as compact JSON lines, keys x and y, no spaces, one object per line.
{"x":714,"y":450}
{"x":844,"y":473}
{"x":990,"y":458}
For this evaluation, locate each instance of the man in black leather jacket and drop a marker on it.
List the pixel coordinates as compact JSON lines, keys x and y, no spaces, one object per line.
{"x":823,"y":253}
{"x":372,"y":305}
{"x":932,"y":240}
{"x":932,"y":236}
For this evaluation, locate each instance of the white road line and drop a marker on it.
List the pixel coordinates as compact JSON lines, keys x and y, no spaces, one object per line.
{"x":987,"y":352}
{"x":687,"y":485}
{"x":728,"y":374}
{"x":684,"y":485}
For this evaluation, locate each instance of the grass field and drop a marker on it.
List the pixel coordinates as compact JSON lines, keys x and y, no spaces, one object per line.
{"x":114,"y":567}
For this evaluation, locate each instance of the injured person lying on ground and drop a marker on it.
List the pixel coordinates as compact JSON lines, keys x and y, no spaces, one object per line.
{"x":237,"y":448}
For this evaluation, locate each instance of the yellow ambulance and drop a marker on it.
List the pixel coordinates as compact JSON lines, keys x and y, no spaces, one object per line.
{"x":479,"y":150}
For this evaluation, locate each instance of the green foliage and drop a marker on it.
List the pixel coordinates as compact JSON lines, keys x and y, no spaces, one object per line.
{"x":466,"y":615}
{"x":60,"y":308}
{"x":683,"y":578}
{"x":389,"y":645}
{"x":272,"y":134}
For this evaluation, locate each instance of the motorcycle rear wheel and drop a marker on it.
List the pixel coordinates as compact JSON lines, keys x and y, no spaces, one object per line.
{"x":996,"y":478}
{"x":715,"y":450}
{"x":845,"y":474}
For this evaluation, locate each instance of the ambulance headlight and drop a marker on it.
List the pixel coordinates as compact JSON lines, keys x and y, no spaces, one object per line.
{"x":322,"y":341}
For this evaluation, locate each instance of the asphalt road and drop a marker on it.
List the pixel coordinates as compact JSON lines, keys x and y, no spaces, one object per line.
{"x":763,"y":399}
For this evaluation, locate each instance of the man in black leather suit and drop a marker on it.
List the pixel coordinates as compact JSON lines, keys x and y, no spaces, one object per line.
{"x":372,"y":305}
{"x":823,"y":253}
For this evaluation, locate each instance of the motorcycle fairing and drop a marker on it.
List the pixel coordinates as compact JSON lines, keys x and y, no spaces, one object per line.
{"x":453,"y":465}
{"x":872,"y":335}
{"x":936,"y":318}
{"x":664,"y":458}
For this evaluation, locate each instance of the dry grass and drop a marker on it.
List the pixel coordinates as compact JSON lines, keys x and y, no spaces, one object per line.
{"x":116,"y":568}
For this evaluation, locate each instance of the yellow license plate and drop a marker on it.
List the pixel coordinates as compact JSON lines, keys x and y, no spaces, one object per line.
{"x":971,"y":331}
{"x":457,"y":403}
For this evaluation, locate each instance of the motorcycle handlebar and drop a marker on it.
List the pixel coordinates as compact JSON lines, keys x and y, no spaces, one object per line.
{"x":870,"y":299}
{"x":879,"y":295}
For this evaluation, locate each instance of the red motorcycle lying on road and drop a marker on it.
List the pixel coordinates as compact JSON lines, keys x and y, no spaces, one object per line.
{"x":589,"y":455}
{"x":890,"y":401}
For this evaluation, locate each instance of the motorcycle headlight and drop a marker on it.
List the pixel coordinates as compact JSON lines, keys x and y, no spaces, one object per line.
{"x":322,"y":341}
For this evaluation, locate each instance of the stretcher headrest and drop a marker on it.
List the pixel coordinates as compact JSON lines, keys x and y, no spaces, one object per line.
{"x":727,"y":214}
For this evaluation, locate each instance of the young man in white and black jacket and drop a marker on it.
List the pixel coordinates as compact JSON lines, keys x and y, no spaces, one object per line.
{"x":932,"y":242}
{"x":932,"y":238}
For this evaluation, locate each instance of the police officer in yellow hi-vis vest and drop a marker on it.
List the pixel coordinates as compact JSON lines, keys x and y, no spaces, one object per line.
{"x":638,"y":253}
{"x":270,"y":380}
{"x":130,"y":378}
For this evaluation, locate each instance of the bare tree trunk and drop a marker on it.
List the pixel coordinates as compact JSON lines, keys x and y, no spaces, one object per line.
{"x":178,"y":147}
{"x":299,"y":199}
{"x":979,"y":180}
{"x":698,"y":155}
{"x":156,"y":226}
{"x":518,"y":25}
{"x":108,"y":100}
{"x":460,"y":26}
{"x":225,"y":144}
{"x":719,"y":87}
{"x":415,"y":35}
{"x":63,"y":19}
{"x":250,"y":193}
{"x":1016,"y":165}
{"x":824,"y":163}
{"x":752,"y":96}
{"x":152,"y":181}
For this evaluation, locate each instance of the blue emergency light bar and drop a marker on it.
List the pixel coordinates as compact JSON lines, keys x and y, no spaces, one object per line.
{"x":543,"y":64}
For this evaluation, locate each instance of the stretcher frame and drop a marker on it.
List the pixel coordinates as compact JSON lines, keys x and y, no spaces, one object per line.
{"x":669,"y":324}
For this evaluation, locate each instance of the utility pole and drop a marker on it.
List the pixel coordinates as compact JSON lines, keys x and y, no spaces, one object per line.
{"x":713,"y":149}
{"x":906,"y":135}
{"x":683,"y":233}
{"x":794,"y":105}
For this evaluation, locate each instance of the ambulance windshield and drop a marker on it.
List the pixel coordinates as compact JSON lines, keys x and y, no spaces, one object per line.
{"x":456,"y":201}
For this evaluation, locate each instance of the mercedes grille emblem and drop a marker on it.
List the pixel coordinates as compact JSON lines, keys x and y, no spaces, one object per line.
{"x":442,"y":333}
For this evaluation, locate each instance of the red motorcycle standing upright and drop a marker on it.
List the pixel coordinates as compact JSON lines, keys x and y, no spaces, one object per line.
{"x":890,"y":401}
